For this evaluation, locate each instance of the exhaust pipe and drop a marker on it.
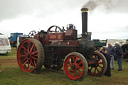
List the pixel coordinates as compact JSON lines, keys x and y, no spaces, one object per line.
{"x":85,"y":33}
{"x":84,"y":20}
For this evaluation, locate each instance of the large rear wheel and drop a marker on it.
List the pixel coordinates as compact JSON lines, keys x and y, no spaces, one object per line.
{"x":75,"y":66}
{"x":30,"y":55}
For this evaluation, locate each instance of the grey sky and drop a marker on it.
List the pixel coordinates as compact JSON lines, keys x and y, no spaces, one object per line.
{"x":107,"y":18}
{"x":14,"y":8}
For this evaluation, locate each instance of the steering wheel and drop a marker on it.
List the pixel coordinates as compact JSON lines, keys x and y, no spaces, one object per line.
{"x":56,"y":29}
{"x":32,"y":34}
{"x":71,"y":26}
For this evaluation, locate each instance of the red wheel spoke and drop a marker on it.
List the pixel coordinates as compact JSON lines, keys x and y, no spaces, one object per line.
{"x":34,"y":58}
{"x":76,"y":59}
{"x":34,"y":48}
{"x":24,"y":59}
{"x":69,"y":62}
{"x":73,"y":74}
{"x":28,"y":45}
{"x":25,"y":52}
{"x":35,"y":55}
{"x":32,"y":62}
{"x":69,"y":65}
{"x":79,"y":71}
{"x":100,"y":66}
{"x":69,"y":70}
{"x":34,"y":52}
{"x":31,"y":48}
{"x":76,"y":74}
{"x":90,"y":69}
{"x":22,"y":55}
{"x":98,"y":70}
{"x":25,"y":62}
{"x":82,"y":67}
{"x":72,"y":59}
{"x":81,"y":63}
{"x":24,"y":48}
{"x":95,"y":70}
{"x":29,"y":65}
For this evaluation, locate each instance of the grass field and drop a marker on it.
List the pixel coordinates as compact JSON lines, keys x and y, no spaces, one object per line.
{"x":12,"y":75}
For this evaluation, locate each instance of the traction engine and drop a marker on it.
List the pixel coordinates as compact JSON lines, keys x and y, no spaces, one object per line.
{"x":125,"y":51}
{"x":57,"y":48}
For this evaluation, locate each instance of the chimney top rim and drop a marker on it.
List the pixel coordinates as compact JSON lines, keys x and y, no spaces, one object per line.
{"x":84,"y":9}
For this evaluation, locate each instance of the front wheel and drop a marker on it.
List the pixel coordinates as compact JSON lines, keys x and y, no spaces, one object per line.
{"x":75,"y":66}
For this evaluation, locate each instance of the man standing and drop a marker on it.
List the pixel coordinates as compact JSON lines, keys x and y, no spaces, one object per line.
{"x":119,"y":54}
{"x":108,"y":58}
{"x":111,"y":52}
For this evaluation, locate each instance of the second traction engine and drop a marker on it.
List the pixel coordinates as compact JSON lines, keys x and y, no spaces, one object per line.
{"x":57,"y":48}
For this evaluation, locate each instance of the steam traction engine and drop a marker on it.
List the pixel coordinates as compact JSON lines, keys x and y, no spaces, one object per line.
{"x":57,"y":48}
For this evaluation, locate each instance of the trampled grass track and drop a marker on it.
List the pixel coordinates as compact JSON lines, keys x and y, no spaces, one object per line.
{"x":7,"y":61}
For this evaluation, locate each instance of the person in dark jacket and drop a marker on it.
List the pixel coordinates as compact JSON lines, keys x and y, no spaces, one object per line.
{"x":108,"y":58}
{"x":111,"y":52}
{"x":119,"y":54}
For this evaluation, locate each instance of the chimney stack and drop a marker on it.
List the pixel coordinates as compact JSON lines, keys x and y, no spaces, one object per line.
{"x":85,"y":32}
{"x":84,"y":20}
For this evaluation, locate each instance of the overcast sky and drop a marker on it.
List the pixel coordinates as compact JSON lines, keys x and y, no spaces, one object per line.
{"x":108,"y":19}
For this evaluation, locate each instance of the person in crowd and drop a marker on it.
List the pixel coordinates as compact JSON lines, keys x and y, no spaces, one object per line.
{"x":118,"y":54}
{"x":111,"y":52}
{"x":108,"y":58}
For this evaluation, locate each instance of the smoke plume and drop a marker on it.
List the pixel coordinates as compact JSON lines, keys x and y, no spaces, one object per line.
{"x":108,"y":4}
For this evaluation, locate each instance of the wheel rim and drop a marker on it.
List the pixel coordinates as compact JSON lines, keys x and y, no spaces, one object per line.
{"x":100,"y":67}
{"x":74,"y":66}
{"x":27,"y":56}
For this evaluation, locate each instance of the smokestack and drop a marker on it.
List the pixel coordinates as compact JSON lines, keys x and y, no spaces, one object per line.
{"x":84,"y":20}
{"x":85,"y":32}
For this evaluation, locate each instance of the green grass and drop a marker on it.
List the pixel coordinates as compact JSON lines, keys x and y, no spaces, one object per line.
{"x":12,"y":75}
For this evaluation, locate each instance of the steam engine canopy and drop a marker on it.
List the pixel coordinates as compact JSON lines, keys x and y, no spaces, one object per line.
{"x":87,"y":48}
